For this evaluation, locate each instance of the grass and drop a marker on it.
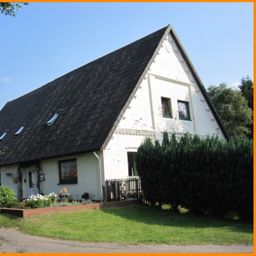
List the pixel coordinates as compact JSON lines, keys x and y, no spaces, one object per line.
{"x":134,"y":225}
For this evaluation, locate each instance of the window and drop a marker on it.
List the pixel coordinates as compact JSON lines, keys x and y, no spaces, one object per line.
{"x":132,"y":163}
{"x":30,"y":180}
{"x":166,"y":107}
{"x":53,"y":118}
{"x":19,"y":130}
{"x":68,"y":172}
{"x":3,"y":135}
{"x":183,"y":108}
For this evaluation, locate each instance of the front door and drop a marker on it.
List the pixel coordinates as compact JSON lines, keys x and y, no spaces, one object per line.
{"x":132,"y":171}
{"x":30,"y":179}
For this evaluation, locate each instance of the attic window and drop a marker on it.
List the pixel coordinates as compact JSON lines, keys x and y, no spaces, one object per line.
{"x":52,"y":120}
{"x":166,"y":107}
{"x":183,"y":107}
{"x":19,"y":130}
{"x":3,"y":135}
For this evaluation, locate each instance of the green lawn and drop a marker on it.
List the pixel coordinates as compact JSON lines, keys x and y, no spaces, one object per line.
{"x":136,"y":224}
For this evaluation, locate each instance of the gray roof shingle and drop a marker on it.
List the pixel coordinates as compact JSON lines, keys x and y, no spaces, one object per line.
{"x":90,"y":99}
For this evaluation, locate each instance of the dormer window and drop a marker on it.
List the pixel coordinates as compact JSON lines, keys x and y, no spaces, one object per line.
{"x":3,"y":135}
{"x":19,"y":131}
{"x":53,"y":119}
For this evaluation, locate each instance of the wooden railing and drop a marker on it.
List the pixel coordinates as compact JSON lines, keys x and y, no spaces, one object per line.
{"x":122,"y":189}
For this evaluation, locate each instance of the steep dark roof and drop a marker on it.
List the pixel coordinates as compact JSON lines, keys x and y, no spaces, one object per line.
{"x":90,"y":97}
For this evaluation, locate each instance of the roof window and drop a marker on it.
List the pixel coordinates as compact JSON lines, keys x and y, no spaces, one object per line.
{"x":3,"y":135}
{"x":19,"y":130}
{"x":53,"y":118}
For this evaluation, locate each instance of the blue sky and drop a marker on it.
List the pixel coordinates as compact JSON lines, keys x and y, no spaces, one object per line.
{"x":46,"y":40}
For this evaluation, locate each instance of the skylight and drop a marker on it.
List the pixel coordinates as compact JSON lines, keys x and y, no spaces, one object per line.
{"x":53,"y":118}
{"x":3,"y":135}
{"x":19,"y":130}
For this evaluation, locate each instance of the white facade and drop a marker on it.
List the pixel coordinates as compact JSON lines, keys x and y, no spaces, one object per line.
{"x":88,"y":177}
{"x":169,"y":77}
{"x":9,"y":177}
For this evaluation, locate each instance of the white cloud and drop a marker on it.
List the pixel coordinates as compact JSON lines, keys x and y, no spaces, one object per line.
{"x":5,"y":80}
{"x":235,"y":84}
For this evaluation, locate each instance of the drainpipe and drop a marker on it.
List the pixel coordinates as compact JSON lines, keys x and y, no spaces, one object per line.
{"x":100,"y":175}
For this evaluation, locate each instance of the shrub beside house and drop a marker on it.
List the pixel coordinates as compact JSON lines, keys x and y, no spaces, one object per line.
{"x":208,"y":176}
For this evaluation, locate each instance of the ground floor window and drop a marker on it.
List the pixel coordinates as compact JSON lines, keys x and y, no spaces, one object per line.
{"x":68,"y":171}
{"x":132,"y":163}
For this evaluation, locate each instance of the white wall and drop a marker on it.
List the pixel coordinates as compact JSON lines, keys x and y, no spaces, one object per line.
{"x":168,"y":77}
{"x":115,"y":154}
{"x":87,"y":172}
{"x":10,"y":181}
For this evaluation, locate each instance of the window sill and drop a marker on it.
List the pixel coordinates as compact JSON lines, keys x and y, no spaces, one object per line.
{"x":67,"y":183}
{"x":185,"y":119}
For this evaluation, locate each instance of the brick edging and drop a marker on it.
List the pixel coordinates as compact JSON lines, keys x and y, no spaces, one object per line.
{"x":24,"y":213}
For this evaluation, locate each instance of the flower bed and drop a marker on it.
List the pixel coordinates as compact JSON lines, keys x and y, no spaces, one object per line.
{"x":50,"y":203}
{"x":40,"y":201}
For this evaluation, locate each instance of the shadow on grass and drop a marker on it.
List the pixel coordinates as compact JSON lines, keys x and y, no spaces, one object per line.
{"x":154,"y":216}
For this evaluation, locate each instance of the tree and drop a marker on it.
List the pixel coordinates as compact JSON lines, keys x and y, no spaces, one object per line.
{"x":246,"y":88}
{"x":10,"y":8}
{"x":233,"y":110}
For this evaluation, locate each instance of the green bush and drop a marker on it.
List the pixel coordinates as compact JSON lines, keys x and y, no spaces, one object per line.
{"x":8,"y":197}
{"x":39,"y":203}
{"x":204,"y":175}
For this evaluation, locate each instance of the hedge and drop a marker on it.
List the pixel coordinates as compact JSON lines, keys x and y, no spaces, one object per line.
{"x":205,"y":175}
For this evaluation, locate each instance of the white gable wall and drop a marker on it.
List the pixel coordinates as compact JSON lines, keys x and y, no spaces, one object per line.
{"x":168,"y":76}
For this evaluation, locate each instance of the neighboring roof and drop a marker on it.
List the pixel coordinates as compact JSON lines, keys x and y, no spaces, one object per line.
{"x":90,"y":101}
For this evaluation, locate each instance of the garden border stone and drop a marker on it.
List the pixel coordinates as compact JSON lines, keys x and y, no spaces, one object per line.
{"x":24,"y":213}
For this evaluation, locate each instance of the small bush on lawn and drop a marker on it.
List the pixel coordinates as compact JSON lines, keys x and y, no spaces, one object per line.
{"x":40,"y":201}
{"x":7,"y":197}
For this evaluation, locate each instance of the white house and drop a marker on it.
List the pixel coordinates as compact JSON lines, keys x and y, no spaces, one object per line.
{"x":85,"y":127}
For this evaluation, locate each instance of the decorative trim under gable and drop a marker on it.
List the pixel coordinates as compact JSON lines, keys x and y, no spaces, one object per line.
{"x":135,"y":132}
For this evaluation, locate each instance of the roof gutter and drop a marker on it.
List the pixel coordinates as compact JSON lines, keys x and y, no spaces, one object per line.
{"x":100,"y":175}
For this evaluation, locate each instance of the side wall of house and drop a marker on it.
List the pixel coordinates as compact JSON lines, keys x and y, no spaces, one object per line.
{"x":169,"y":77}
{"x":87,"y":174}
{"x":9,"y":177}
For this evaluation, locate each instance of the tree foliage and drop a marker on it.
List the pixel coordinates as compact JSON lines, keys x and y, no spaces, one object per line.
{"x":246,"y":88}
{"x":10,"y":8}
{"x":233,"y":109}
{"x":205,"y":175}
